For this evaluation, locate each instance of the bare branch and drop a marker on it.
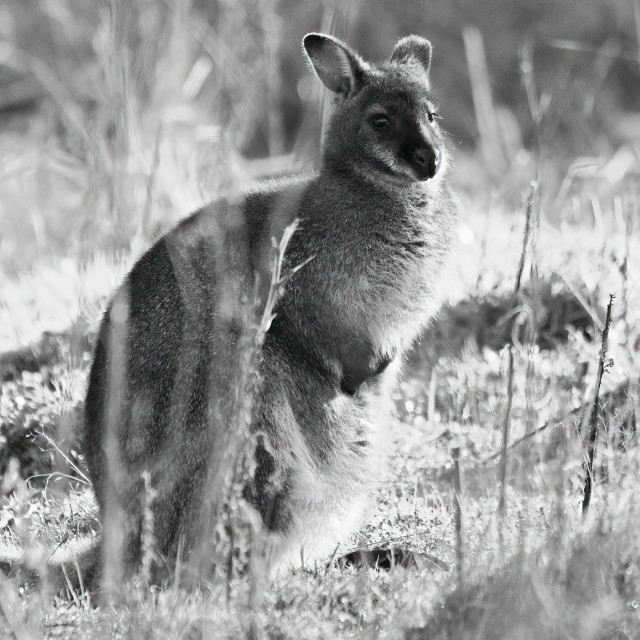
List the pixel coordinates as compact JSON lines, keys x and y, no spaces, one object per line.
{"x":506,"y":425}
{"x":593,"y":420}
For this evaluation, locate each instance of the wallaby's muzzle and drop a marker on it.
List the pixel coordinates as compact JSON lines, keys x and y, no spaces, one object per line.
{"x":425,"y":161}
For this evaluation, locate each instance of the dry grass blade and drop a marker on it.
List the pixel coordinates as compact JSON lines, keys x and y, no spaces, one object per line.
{"x":82,"y":476}
{"x":278,"y":281}
{"x":486,"y":116}
{"x":579,"y":47}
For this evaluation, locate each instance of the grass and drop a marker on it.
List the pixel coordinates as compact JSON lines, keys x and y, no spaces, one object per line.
{"x":81,"y":204}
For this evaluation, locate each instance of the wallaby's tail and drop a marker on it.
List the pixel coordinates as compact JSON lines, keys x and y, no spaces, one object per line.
{"x":73,"y":567}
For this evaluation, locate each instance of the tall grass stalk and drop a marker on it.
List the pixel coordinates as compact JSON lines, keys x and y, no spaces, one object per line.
{"x":506,"y":423}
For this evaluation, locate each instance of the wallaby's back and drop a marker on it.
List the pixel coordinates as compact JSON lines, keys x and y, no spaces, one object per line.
{"x":374,"y":226}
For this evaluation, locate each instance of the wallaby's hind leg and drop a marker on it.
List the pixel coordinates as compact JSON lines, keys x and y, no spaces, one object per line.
{"x":146,"y":432}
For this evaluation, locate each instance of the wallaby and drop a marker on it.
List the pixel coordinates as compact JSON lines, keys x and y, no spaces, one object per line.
{"x":374,"y":226}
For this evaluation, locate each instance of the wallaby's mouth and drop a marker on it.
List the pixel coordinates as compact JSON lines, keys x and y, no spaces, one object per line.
{"x":407,"y":174}
{"x":419,"y":165}
{"x":425,"y":162}
{"x":421,"y":175}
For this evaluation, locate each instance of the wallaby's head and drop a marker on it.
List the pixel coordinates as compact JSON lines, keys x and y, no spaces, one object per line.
{"x":384,"y":124}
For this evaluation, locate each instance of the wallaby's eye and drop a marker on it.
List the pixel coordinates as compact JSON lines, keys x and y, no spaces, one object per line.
{"x":432,"y":116}
{"x":379,"y":121}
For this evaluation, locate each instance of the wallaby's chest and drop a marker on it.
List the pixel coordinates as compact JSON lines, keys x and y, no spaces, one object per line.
{"x":377,"y":267}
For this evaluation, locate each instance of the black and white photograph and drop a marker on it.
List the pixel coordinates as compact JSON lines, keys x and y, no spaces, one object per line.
{"x":319,"y":319}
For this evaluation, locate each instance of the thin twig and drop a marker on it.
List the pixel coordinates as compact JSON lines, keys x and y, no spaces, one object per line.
{"x":506,"y":425}
{"x":505,"y":435}
{"x":457,"y":487}
{"x":533,"y":100}
{"x":603,"y":364}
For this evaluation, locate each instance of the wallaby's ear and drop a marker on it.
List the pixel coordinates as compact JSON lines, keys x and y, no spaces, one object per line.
{"x":340,"y":69}
{"x":413,"y":50}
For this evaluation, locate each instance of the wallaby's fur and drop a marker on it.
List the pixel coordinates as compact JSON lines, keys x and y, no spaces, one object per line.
{"x":374,"y":226}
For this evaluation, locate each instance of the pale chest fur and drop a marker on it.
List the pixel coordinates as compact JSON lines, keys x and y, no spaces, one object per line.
{"x":393,"y":291}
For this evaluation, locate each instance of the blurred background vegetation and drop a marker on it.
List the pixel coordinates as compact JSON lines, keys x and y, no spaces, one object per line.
{"x":118,"y":116}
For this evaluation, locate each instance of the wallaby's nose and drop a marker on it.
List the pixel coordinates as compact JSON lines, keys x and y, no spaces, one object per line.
{"x":427,"y":161}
